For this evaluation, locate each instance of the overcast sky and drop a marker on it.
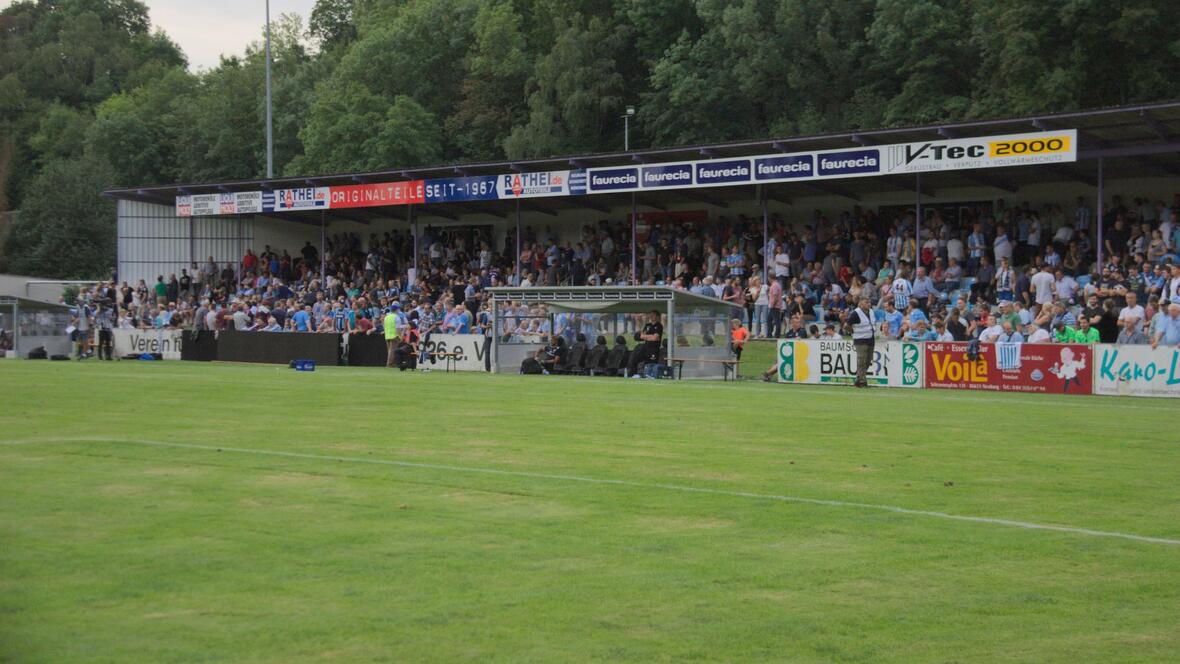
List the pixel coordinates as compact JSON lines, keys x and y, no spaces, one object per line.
{"x":205,"y":29}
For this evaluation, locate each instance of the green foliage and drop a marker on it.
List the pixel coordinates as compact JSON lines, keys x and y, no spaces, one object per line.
{"x":576,"y":93}
{"x":65,"y":229}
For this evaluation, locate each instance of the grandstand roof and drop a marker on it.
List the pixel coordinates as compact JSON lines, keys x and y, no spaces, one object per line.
{"x":1134,"y":141}
{"x":608,"y":299}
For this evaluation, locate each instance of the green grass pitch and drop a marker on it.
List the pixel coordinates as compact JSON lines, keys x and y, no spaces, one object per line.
{"x":190,"y":512}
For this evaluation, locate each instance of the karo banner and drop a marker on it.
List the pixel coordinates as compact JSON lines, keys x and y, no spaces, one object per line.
{"x":1138,"y":371}
{"x":894,"y":364}
{"x":373,"y":195}
{"x":1048,"y":368}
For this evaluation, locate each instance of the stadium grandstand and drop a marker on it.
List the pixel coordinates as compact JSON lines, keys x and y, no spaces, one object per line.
{"x":1057,"y":241}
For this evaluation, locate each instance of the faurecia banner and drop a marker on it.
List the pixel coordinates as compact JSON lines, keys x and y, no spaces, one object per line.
{"x":1018,"y":367}
{"x":1138,"y":371}
{"x":895,"y":363}
{"x":944,"y":155}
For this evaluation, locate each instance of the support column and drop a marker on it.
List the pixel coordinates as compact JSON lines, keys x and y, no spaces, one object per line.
{"x":238,"y":258}
{"x":1098,"y":215}
{"x":918,"y":226}
{"x":670,"y":332}
{"x":323,"y":249}
{"x":16,"y":326}
{"x":516,"y":260}
{"x":192,"y":245}
{"x":634,"y":247}
{"x":413,"y":260}
{"x":766,"y":257}
{"x":495,"y":335}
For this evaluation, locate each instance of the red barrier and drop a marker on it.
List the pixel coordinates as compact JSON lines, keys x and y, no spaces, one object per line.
{"x":1051,"y":368}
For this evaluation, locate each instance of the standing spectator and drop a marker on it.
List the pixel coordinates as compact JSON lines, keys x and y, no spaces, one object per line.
{"x":1042,"y":285}
{"x":1168,"y":330}
{"x":777,"y":306}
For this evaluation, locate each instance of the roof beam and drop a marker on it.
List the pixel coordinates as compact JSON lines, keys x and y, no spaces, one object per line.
{"x":532,"y":207}
{"x":986,"y":180}
{"x":1063,"y":171}
{"x":648,"y":202}
{"x":478,"y":210}
{"x":1155,"y":125}
{"x":701,"y":197}
{"x":1131,"y":151}
{"x":831,"y":189}
{"x":437,"y":210}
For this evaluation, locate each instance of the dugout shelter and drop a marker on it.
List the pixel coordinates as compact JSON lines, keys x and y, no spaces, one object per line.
{"x":696,"y":327}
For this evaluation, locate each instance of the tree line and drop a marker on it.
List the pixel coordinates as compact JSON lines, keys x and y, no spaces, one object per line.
{"x":92,"y":97}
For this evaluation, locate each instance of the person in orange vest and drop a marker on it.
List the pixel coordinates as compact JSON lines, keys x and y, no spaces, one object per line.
{"x":737,"y":337}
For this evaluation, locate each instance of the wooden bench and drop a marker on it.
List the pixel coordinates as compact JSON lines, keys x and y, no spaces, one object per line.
{"x":730,"y":366}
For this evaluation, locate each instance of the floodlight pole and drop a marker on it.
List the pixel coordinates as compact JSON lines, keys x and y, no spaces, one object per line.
{"x":1098,"y":214}
{"x":270,"y":144}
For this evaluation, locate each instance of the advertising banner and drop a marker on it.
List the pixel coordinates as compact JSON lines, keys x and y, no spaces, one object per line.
{"x":984,"y":152}
{"x":165,"y":342}
{"x":945,"y":155}
{"x":184,"y":206}
{"x":447,"y":190}
{"x":205,"y":205}
{"x":1049,"y":368}
{"x":247,"y":202}
{"x":373,"y":195}
{"x":1138,"y":371}
{"x":303,"y":198}
{"x":544,"y":183}
{"x":895,"y":363}
{"x":471,"y":349}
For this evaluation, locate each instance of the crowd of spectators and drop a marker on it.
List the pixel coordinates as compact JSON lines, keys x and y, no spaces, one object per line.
{"x":997,"y":272}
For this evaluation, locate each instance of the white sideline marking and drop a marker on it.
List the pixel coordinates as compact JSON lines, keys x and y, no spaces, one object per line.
{"x":628,"y":483}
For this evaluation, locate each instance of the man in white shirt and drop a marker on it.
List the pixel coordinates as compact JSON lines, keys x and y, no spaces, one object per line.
{"x":1132,"y":310}
{"x":992,"y":332}
{"x":782,"y":266}
{"x":1035,"y":335}
{"x":1065,"y":286}
{"x":1042,"y":284}
{"x":1002,"y":246}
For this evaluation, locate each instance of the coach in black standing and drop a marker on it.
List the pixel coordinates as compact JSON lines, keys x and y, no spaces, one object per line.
{"x":651,"y":336}
{"x":861,"y":323}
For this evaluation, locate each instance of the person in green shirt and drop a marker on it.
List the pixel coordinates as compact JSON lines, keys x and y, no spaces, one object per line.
{"x":1083,"y":334}
{"x":161,"y":291}
{"x":1007,"y":313}
{"x":392,"y":338}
